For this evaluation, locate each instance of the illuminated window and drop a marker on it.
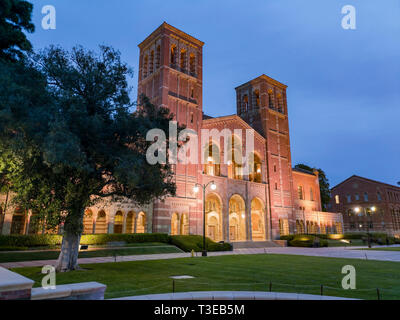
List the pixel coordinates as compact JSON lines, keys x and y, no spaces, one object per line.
{"x":183,"y":60}
{"x":257,"y":98}
{"x":192,"y":64}
{"x":300,"y":192}
{"x":173,"y":56}
{"x":337,"y":200}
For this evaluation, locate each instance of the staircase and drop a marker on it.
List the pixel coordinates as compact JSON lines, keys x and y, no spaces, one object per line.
{"x":254,"y":244}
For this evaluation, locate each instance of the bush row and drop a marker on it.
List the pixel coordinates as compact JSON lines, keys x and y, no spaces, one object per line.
{"x":43,"y":240}
{"x":186,"y":243}
{"x":195,"y":242}
{"x":305,"y":240}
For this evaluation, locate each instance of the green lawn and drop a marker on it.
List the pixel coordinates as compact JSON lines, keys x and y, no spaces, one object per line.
{"x":288,"y":273}
{"x":338,"y":243}
{"x":143,"y":248}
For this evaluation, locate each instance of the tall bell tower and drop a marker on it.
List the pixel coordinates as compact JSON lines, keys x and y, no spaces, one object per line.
{"x":171,"y":75}
{"x":262,"y":103}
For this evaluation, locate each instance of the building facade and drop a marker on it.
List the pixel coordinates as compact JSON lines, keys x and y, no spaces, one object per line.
{"x":367,"y":205}
{"x":256,"y":200}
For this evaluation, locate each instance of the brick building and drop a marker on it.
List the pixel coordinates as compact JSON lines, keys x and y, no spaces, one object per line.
{"x":367,"y":204}
{"x":267,"y":200}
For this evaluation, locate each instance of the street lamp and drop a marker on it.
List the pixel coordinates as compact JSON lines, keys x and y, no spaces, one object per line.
{"x":358,"y":210}
{"x":196,"y":189}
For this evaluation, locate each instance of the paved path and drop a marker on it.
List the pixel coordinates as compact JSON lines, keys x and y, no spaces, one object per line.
{"x":333,"y":252}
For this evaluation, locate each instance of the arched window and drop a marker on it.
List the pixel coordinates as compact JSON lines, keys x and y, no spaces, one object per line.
{"x":300,"y":192}
{"x":283,"y":227}
{"x":280,"y":103}
{"x":256,"y":98}
{"x":101,"y":222}
{"x":255,"y":168}
{"x":130,"y":222}
{"x":158,"y":57}
{"x":183,"y":60}
{"x":192,"y":64}
{"x":271,"y":100}
{"x":118,"y":222}
{"x":88,"y":222}
{"x":18,"y":222}
{"x":145,"y":66}
{"x":212,"y":160}
{"x":141,"y":223}
{"x":235,"y":161}
{"x":173,"y":56}
{"x":245,"y":103}
{"x":151,"y":62}
{"x":311,"y":194}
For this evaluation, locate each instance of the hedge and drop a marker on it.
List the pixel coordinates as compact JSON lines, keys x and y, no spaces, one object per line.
{"x":305,"y":241}
{"x":89,"y":239}
{"x":195,"y":242}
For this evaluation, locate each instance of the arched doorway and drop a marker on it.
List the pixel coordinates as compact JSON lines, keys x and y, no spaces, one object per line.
{"x":237,"y":219}
{"x":174,"y":224}
{"x":257,"y":220}
{"x":213,"y":217}
{"x":18,"y":222}
{"x":300,"y":227}
{"x":118,"y":222}
{"x":101,"y":222}
{"x":130,"y":222}
{"x":141,"y":223}
{"x":88,"y":222}
{"x":184,"y":224}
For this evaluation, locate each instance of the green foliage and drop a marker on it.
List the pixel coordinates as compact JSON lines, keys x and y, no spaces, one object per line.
{"x":195,"y":242}
{"x":101,"y":239}
{"x":43,"y":240}
{"x":15,"y":17}
{"x":323,"y":184}
{"x":68,"y":133}
{"x":305,"y":240}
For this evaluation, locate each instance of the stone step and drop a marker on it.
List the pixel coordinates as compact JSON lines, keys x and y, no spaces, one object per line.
{"x":253,"y":244}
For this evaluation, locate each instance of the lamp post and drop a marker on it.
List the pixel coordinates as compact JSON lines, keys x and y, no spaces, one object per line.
{"x":358,"y":210}
{"x":196,"y":188}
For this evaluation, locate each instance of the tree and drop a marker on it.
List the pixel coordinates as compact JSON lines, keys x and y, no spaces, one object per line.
{"x":15,"y":16}
{"x":80,"y":142}
{"x":323,"y":184}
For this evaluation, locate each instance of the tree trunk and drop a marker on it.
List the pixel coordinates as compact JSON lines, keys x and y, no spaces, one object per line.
{"x":68,"y":258}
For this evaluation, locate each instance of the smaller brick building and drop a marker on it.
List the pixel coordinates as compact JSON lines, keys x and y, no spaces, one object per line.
{"x":367,"y":204}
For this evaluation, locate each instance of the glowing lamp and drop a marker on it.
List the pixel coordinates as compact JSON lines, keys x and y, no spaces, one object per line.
{"x":196,"y":189}
{"x":213,"y":186}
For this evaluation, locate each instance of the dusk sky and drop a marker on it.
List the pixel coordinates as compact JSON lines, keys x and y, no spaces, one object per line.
{"x":343,"y":85}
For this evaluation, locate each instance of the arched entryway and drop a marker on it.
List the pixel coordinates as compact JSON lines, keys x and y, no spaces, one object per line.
{"x":101,"y":222}
{"x":213,"y":217}
{"x":184,"y":224}
{"x":130,"y":222}
{"x":18,"y":222}
{"x":141,"y":222}
{"x":174,"y":224}
{"x":257,"y":220}
{"x":237,"y":219}
{"x":88,"y":222}
{"x":118,"y":222}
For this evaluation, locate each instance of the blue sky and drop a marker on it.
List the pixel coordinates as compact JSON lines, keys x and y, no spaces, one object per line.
{"x":343,"y":85}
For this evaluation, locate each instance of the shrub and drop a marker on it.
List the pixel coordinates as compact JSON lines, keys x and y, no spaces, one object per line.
{"x":307,"y":241}
{"x":43,"y":240}
{"x":195,"y":242}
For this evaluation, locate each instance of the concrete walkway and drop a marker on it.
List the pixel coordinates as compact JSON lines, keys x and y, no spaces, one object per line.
{"x":333,"y":252}
{"x":231,"y":295}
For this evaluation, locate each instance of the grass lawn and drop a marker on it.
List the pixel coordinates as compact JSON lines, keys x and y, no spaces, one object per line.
{"x":288,"y":273}
{"x":142,"y":248}
{"x":338,"y":243}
